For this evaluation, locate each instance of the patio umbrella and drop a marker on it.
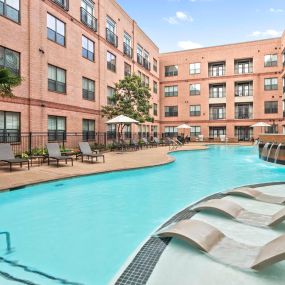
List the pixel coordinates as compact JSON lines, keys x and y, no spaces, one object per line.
{"x":261,"y":125}
{"x":121,"y":121}
{"x":184,"y":127}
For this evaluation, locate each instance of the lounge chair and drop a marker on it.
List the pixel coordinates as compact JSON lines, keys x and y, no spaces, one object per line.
{"x":86,"y":151}
{"x":212,"y":241}
{"x":146,"y":142}
{"x":7,"y":156}
{"x":257,"y":195}
{"x":224,"y":139}
{"x":134,"y":144}
{"x":238,"y":213}
{"x":200,"y":138}
{"x":55,"y":154}
{"x":157,"y":141}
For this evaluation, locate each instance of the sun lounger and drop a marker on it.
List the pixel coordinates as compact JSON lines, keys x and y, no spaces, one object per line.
{"x":146,"y":142}
{"x":86,"y":151}
{"x":223,"y":249}
{"x":257,"y":195}
{"x":7,"y":156}
{"x":238,"y":213}
{"x":55,"y":154}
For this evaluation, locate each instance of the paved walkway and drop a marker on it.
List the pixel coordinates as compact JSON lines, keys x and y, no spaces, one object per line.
{"x":114,"y":161}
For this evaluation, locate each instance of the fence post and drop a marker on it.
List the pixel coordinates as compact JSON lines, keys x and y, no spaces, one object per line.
{"x":30,"y":142}
{"x":105,"y":139}
{"x":63,"y":138}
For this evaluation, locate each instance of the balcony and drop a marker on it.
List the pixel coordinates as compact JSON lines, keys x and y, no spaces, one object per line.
{"x":64,"y":4}
{"x":128,"y":51}
{"x":112,"y":38}
{"x":88,"y":20}
{"x":146,"y":64}
{"x":217,"y":69}
{"x":244,"y":93}
{"x":214,"y":94}
{"x":217,"y":114}
{"x":243,"y":114}
{"x":244,"y":66}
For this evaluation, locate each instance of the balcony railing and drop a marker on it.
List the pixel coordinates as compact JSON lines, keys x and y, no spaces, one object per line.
{"x":146,"y":64}
{"x":243,"y":115}
{"x":139,"y":59}
{"x":128,"y":51}
{"x":243,"y":93}
{"x":171,"y":114}
{"x":214,"y":72}
{"x":64,"y":4}
{"x":217,"y":94}
{"x":217,"y":115}
{"x":111,"y":37}
{"x":243,"y":69}
{"x":88,"y":20}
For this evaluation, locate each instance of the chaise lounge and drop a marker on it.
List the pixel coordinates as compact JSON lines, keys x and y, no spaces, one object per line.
{"x":7,"y":156}
{"x":235,"y":211}
{"x":86,"y":151}
{"x":257,"y":195}
{"x":55,"y":154}
{"x":224,"y":249}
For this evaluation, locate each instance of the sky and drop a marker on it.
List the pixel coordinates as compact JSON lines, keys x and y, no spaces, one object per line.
{"x":186,"y":24}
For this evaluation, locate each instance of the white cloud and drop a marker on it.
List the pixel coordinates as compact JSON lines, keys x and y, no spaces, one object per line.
{"x":188,"y":45}
{"x":266,"y":33}
{"x":276,"y":10}
{"x":179,"y":17}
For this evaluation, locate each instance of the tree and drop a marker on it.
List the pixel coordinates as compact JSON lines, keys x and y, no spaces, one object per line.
{"x":8,"y":80}
{"x":131,"y":98}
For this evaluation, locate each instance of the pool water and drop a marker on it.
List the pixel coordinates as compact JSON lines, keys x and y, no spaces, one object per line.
{"x":84,"y":229}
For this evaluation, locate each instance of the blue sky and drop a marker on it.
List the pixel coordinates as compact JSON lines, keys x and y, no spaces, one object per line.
{"x":182,"y":24}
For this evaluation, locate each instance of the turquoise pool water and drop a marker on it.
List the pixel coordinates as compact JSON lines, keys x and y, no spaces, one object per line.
{"x":84,"y":229}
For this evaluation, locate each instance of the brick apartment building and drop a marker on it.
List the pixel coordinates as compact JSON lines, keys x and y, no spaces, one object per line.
{"x":71,"y":53}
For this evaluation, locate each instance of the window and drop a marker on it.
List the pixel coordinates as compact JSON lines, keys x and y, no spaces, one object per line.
{"x":87,"y":48}
{"x":10,"y":9}
{"x":171,"y":70}
{"x":56,"y":79}
{"x":111,"y":131}
{"x":195,"y":131}
{"x":88,"y":130}
{"x":243,"y":89}
{"x":144,"y":79}
{"x":243,"y":111}
{"x":195,"y":110}
{"x":171,"y":111}
{"x":88,"y":89}
{"x":217,"y":112}
{"x":154,"y":109}
{"x":243,"y":66}
{"x":155,"y":87}
{"x":195,"y":89}
{"x":170,"y":131}
{"x":154,"y":130}
{"x":55,"y":30}
{"x":9,"y":127}
{"x":243,"y":133}
{"x":87,"y":12}
{"x":56,"y":128}
{"x":139,"y":55}
{"x":111,"y":36}
{"x":217,"y":69}
{"x":128,"y":69}
{"x":110,"y":94}
{"x":10,"y":59}
{"x":271,"y":107}
{"x":270,"y":84}
{"x":146,"y":63}
{"x":171,"y":91}
{"x":216,"y":132}
{"x":195,"y":68}
{"x":128,"y":51}
{"x":270,"y":60}
{"x":111,"y":61}
{"x":154,"y":65}
{"x":217,"y":90}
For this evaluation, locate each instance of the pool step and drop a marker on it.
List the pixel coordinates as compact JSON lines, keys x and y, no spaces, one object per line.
{"x":13,"y":271}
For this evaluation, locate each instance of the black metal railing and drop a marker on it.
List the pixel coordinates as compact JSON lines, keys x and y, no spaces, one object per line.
{"x":216,"y":94}
{"x":243,"y":93}
{"x":128,"y":51}
{"x":111,"y":37}
{"x":217,"y":115}
{"x":64,"y":4}
{"x":88,"y":20}
{"x":243,"y":69}
{"x":217,"y":72}
{"x":243,"y":114}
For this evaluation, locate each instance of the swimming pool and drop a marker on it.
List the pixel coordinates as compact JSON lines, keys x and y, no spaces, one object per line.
{"x":83,"y":229}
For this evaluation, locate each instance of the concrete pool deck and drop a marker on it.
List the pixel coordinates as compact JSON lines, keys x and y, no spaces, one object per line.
{"x":115,"y":161}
